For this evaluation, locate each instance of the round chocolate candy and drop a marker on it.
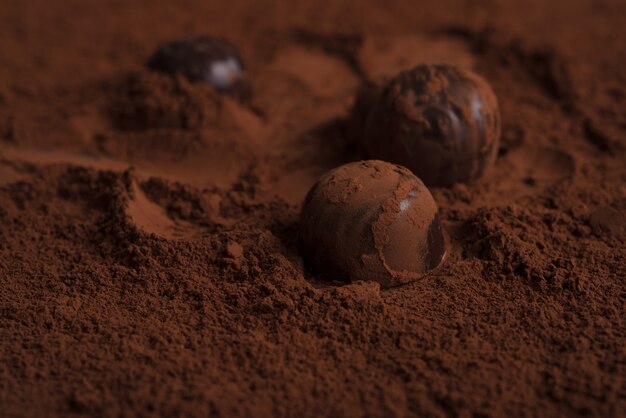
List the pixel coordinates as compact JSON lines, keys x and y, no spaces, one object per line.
{"x":203,"y":59}
{"x":370,"y":220}
{"x":440,"y":121}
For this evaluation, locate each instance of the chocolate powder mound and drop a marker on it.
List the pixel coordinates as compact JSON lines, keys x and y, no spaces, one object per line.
{"x":148,"y":257}
{"x":144,"y":101}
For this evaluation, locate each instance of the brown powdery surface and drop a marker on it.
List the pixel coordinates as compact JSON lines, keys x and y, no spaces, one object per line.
{"x":148,"y":262}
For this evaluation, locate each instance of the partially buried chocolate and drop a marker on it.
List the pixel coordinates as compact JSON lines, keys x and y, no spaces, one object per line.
{"x":440,"y":121}
{"x":203,"y":59}
{"x":370,"y":220}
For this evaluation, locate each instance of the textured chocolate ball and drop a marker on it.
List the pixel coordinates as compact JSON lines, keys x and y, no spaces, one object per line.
{"x":370,"y":220}
{"x":203,"y":59}
{"x":440,"y":121}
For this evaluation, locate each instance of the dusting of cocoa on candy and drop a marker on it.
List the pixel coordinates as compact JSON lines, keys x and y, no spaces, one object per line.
{"x":371,"y":220}
{"x":440,"y":121}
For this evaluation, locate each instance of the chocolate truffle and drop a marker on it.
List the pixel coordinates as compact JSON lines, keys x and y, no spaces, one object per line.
{"x":440,"y":121}
{"x":370,"y":220}
{"x":203,"y":59}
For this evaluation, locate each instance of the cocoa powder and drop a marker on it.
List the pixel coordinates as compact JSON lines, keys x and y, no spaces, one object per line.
{"x":148,"y":225}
